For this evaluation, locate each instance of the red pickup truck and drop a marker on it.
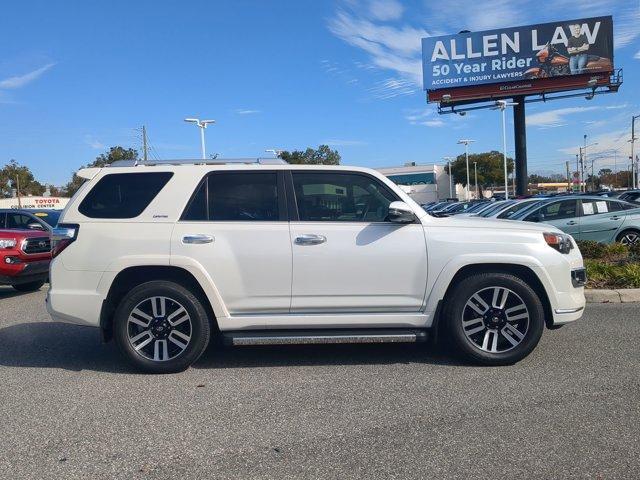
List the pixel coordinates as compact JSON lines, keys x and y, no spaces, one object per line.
{"x":24,"y":258}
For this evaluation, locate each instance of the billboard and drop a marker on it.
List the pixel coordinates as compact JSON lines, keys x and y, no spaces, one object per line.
{"x":520,"y":60}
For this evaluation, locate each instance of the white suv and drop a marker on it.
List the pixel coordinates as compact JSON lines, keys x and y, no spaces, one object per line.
{"x":163,"y":256}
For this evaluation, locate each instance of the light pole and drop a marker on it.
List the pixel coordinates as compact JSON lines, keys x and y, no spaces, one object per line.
{"x":636,"y":177}
{"x":583,"y":160}
{"x":448,"y":159}
{"x":466,"y":143}
{"x":475,"y":174}
{"x":202,"y":124}
{"x":502,"y":106}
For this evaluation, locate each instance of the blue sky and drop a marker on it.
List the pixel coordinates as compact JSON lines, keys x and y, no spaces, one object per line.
{"x":77,"y":77}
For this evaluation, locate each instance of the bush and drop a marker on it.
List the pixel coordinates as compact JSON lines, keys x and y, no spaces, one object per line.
{"x":616,"y":249}
{"x":634,"y":251}
{"x":612,"y":275}
{"x":592,"y":249}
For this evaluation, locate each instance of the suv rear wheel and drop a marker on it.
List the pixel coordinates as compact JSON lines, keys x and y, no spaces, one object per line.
{"x":161,"y":327}
{"x":494,"y":318}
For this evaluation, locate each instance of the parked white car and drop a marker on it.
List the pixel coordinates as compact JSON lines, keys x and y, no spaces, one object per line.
{"x":163,"y":256}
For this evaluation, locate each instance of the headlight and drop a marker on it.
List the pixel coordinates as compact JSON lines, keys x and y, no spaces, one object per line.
{"x":559,"y":241}
{"x":7,"y":242}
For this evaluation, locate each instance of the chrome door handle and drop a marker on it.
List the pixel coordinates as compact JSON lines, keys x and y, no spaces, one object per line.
{"x":310,"y":239}
{"x":197,"y":239}
{"x":615,"y":217}
{"x":572,"y":223}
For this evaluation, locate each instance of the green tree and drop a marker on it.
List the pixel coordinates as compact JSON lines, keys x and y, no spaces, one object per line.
{"x":114,"y":154}
{"x":490,"y":166}
{"x":322,"y":156}
{"x":14,"y":174}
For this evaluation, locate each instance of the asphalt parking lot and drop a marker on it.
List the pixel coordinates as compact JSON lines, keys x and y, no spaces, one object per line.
{"x":70,"y":408}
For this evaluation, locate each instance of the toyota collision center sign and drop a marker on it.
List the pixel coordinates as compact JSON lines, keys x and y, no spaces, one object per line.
{"x":517,"y":61}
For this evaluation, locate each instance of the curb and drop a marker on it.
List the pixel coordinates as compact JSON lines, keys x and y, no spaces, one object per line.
{"x":622,"y":295}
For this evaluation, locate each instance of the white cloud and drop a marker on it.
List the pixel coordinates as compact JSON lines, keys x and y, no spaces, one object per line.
{"x":426,"y":117}
{"x":22,"y":80}
{"x":389,"y":48}
{"x":392,"y":87}
{"x":477,"y":15}
{"x":555,"y":118}
{"x":336,"y":142}
{"x":386,"y":9}
{"x":637,"y":55}
{"x":626,"y":26}
{"x":246,"y":111}
{"x":607,"y":143}
{"x":91,"y":141}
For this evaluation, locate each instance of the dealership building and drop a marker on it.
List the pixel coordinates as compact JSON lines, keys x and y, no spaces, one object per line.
{"x":423,"y":183}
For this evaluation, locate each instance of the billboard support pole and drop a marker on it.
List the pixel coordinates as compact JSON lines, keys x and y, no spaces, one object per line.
{"x":520,"y":137}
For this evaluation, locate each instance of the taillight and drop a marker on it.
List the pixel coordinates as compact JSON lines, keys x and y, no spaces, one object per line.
{"x":63,"y":236}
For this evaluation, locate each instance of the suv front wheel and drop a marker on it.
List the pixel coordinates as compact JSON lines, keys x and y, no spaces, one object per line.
{"x":494,"y":318}
{"x":161,"y":327}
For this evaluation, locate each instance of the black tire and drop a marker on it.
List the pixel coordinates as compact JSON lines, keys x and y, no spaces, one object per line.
{"x":199,"y":328}
{"x":628,"y":237}
{"x":468,"y":345}
{"x":29,"y":287}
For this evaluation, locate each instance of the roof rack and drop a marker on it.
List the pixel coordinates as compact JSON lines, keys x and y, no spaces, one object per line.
{"x":199,"y":161}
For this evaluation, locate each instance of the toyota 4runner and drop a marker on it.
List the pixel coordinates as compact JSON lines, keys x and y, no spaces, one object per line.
{"x":163,"y":256}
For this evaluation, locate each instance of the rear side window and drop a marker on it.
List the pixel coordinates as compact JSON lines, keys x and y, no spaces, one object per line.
{"x":123,"y":195}
{"x":237,"y":197}
{"x":554,"y":211}
{"x":18,"y":221}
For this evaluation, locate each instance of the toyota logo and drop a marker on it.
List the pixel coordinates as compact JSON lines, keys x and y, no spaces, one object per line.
{"x":42,"y":244}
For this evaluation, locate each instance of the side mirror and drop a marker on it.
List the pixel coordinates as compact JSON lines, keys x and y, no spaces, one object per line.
{"x":400,"y":212}
{"x":35,"y":226}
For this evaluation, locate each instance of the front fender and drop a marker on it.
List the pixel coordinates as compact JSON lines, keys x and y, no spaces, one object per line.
{"x":444,"y":278}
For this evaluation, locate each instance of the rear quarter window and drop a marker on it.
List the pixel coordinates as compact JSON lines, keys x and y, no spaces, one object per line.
{"x":123,"y":195}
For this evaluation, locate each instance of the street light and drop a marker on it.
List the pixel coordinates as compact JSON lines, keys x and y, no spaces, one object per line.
{"x":634,"y":163}
{"x":202,"y":124}
{"x":583,"y":160}
{"x":448,"y":159}
{"x":475,"y":174}
{"x":502,"y":106}
{"x":466,"y":143}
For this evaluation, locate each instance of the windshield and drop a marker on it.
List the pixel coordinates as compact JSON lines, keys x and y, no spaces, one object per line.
{"x":49,"y":216}
{"x":517,"y":208}
{"x":494,"y":208}
{"x":475,"y":207}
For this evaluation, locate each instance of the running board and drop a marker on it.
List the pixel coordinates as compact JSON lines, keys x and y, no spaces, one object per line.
{"x":296,"y":337}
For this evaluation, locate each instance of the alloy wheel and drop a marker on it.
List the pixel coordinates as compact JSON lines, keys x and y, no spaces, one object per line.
{"x":159,"y":328}
{"x":630,"y":238}
{"x":495,"y":319}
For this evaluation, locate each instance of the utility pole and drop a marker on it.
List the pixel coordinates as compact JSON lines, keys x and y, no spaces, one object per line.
{"x":568,"y":177}
{"x":144,"y":143}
